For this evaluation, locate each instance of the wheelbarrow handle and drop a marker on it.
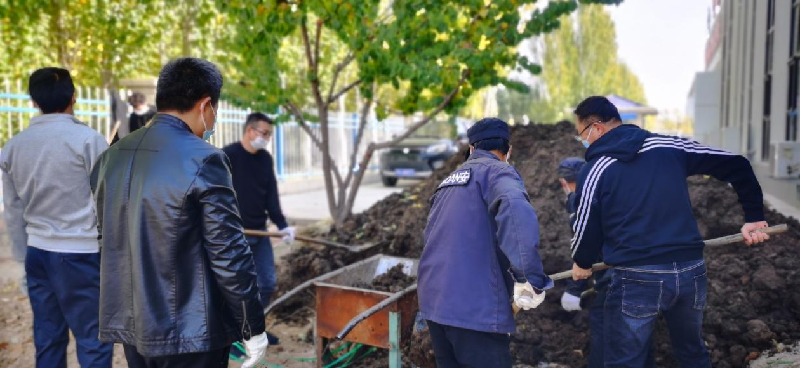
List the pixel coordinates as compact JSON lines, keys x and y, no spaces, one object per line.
{"x":290,"y":294}
{"x":369,"y":312}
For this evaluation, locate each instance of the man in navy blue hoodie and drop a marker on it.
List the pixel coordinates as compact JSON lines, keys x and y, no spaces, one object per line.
{"x":634,"y":207}
{"x":480,"y":244}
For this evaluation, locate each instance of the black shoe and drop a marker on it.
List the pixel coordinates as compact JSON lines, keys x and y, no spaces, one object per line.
{"x":273,"y":340}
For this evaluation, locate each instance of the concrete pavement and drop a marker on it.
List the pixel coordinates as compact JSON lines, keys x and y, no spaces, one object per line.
{"x":312,"y":206}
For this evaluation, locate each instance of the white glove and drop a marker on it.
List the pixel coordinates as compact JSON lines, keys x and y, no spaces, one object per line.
{"x":289,"y":234}
{"x":570,"y":303}
{"x":256,"y":349}
{"x":525,"y":297}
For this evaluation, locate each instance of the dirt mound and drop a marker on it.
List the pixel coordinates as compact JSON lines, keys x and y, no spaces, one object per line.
{"x":754,"y":293}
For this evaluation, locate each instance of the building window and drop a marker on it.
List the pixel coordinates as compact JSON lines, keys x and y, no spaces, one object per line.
{"x":765,"y":121}
{"x":727,"y":19}
{"x":794,"y":74}
{"x":751,"y":73}
{"x":743,"y":51}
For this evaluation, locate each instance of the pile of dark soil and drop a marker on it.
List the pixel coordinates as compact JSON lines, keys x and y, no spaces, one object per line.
{"x":754,"y":293}
{"x":376,"y":225}
{"x":393,"y":281}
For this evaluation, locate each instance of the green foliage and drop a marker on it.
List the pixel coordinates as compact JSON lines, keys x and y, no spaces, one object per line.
{"x":103,"y":41}
{"x":580,"y":60}
{"x":403,"y":56}
{"x":421,"y":48}
{"x":512,"y":104}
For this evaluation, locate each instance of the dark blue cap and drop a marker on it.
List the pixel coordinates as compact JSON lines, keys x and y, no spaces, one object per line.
{"x":570,"y":167}
{"x":488,"y":128}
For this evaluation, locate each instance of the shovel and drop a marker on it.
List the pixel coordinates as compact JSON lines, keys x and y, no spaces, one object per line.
{"x":730,"y":239}
{"x":353,"y":249}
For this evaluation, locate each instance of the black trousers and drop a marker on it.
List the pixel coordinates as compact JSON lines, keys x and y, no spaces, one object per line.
{"x":462,"y":348}
{"x":210,"y":359}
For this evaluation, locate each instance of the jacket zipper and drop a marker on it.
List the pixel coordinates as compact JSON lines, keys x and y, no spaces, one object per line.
{"x":247,"y":332}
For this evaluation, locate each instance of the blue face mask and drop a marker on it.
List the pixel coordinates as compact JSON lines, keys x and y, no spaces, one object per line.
{"x":207,"y":133}
{"x":586,"y":141}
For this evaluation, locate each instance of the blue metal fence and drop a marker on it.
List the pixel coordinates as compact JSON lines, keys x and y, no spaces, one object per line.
{"x":295,"y":155}
{"x":16,"y":109}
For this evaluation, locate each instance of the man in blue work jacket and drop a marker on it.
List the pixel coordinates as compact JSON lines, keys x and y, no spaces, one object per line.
{"x":480,"y":255}
{"x":633,"y":204}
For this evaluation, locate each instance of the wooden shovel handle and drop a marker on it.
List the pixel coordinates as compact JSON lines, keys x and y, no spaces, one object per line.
{"x":730,"y":239}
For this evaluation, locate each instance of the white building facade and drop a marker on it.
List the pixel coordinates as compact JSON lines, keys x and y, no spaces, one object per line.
{"x":746,"y":101}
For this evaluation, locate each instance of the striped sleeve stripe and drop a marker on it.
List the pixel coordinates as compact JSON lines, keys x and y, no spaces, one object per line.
{"x":683,"y":142}
{"x":678,"y":143}
{"x":587,"y":206}
{"x":585,"y":191}
{"x":708,"y":151}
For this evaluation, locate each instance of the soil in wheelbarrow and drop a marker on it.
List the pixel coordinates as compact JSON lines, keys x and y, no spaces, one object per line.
{"x":393,"y":281}
{"x":754,"y":293}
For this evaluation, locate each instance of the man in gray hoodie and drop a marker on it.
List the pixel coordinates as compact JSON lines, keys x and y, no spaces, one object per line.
{"x":51,"y":220}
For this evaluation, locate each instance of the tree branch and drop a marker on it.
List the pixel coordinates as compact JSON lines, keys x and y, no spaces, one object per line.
{"x":302,"y":123}
{"x":428,"y":118}
{"x":362,"y":167}
{"x":359,"y":136}
{"x":339,"y":68}
{"x":343,"y":91}
{"x":322,"y":111}
{"x":317,"y":142}
{"x":307,"y":44}
{"x":338,"y":176}
{"x":316,"y":47}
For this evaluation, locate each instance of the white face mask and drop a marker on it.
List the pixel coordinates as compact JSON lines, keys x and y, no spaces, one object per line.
{"x":259,"y":143}
{"x":141,"y":110}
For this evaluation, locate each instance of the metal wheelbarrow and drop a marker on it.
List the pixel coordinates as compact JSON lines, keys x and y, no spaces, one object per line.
{"x":356,"y":314}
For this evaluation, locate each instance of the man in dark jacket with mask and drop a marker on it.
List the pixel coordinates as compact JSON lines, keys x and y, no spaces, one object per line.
{"x":633,"y":204}
{"x":256,"y":188}
{"x":480,"y":254}
{"x":177,"y":285}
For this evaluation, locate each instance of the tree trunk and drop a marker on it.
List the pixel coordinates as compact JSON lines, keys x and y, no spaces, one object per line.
{"x":373,"y":147}
{"x":326,"y":162}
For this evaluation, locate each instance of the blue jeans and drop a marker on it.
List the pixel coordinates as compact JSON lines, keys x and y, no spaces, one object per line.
{"x":265,"y":267}
{"x":596,"y":326}
{"x":64,"y":290}
{"x":636,"y":297}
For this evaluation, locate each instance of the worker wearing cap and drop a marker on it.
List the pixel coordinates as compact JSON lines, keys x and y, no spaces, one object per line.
{"x":568,"y":176}
{"x":480,"y":256}
{"x":633,"y":204}
{"x":568,"y":172}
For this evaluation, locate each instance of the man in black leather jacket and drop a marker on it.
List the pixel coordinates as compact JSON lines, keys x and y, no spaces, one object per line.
{"x":178,"y":284}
